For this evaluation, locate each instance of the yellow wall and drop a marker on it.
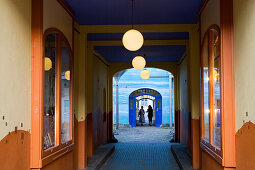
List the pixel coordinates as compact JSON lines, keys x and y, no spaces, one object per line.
{"x":184,"y":102}
{"x":76,"y":71}
{"x":194,"y":72}
{"x":244,"y":60}
{"x":80,"y":61}
{"x":100,"y":84}
{"x":89,"y":78}
{"x":15,"y":65}
{"x":55,"y":16}
{"x":210,"y":16}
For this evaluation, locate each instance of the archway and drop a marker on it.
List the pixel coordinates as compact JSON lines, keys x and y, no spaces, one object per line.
{"x":135,"y":99}
{"x":125,"y":84}
{"x":117,"y":68}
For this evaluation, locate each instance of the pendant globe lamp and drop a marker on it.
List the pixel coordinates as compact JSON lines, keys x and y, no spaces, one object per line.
{"x":67,"y":75}
{"x":47,"y":64}
{"x":145,"y":74}
{"x":132,"y":39}
{"x":138,"y":62}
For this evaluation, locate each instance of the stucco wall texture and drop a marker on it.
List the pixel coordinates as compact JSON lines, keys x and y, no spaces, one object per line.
{"x":244,"y":43}
{"x":15,"y":65}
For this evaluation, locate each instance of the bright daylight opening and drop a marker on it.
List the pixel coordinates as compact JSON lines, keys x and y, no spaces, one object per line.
{"x":143,"y":108}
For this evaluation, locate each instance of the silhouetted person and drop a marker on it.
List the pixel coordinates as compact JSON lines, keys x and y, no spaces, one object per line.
{"x":150,"y":114}
{"x":141,"y":115}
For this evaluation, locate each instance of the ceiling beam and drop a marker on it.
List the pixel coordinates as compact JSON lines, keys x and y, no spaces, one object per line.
{"x":142,"y":28}
{"x":146,"y":42}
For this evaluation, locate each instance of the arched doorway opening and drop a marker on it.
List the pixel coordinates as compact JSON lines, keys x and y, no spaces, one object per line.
{"x":145,"y":97}
{"x":145,"y":101}
{"x":130,"y":92}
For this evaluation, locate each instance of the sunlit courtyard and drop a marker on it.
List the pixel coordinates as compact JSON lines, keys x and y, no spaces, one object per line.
{"x":144,"y":134}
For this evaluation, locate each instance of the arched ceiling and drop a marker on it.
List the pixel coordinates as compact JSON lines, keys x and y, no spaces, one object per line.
{"x":118,"y":12}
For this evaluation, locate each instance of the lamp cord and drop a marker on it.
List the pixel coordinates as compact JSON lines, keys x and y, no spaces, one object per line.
{"x":132,"y":14}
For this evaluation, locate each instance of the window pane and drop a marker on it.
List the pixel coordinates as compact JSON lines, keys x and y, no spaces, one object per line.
{"x":65,"y":93}
{"x":216,"y":88}
{"x":206,"y":90}
{"x":50,"y":65}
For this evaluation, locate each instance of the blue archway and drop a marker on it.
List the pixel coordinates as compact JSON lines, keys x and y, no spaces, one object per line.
{"x":132,"y":105}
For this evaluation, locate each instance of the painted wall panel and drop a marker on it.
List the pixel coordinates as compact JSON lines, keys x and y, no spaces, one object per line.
{"x":16,"y":145}
{"x":184,"y":103}
{"x":208,"y":163}
{"x":245,"y":139}
{"x":76,"y":73}
{"x":15,"y":63}
{"x":55,"y":16}
{"x":194,"y":73}
{"x":100,"y":83}
{"x":244,"y":43}
{"x":63,"y":163}
{"x":80,"y":74}
{"x":210,"y":16}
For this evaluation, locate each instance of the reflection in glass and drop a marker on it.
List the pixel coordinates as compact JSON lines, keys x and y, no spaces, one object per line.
{"x":50,"y":65}
{"x":206,"y":90}
{"x":216,"y":88}
{"x":65,"y":93}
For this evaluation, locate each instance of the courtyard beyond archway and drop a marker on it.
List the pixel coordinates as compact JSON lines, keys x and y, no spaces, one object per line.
{"x":144,"y":134}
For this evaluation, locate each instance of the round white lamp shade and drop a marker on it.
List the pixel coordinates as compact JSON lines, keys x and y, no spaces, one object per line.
{"x":145,"y":74}
{"x":132,"y":40}
{"x":47,"y":64}
{"x":138,"y":62}
{"x":67,"y":75}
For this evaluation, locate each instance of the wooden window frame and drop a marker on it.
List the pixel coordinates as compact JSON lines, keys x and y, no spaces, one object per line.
{"x":209,"y":146}
{"x":38,"y":157}
{"x":60,"y":148}
{"x":226,"y":154}
{"x":228,"y":157}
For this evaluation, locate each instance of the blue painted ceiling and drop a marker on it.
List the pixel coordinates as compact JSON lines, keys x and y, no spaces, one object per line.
{"x":118,"y":12}
{"x":165,"y":53}
{"x":146,"y":36}
{"x":162,"y":53}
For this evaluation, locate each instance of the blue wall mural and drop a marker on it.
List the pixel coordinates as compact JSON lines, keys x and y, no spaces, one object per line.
{"x":131,"y":81}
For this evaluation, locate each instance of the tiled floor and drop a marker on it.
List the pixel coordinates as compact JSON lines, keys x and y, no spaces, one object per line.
{"x":142,"y":156}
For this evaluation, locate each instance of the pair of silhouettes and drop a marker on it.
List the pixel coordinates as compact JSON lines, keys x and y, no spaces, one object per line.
{"x":141,"y":115}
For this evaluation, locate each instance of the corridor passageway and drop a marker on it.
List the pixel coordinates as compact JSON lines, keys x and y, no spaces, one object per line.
{"x":75,"y":72}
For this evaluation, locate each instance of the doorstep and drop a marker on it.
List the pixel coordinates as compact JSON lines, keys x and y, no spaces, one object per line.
{"x":100,"y":156}
{"x":182,"y":156}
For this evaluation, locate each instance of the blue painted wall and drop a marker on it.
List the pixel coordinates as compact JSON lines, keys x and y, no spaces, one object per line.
{"x":131,"y":81}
